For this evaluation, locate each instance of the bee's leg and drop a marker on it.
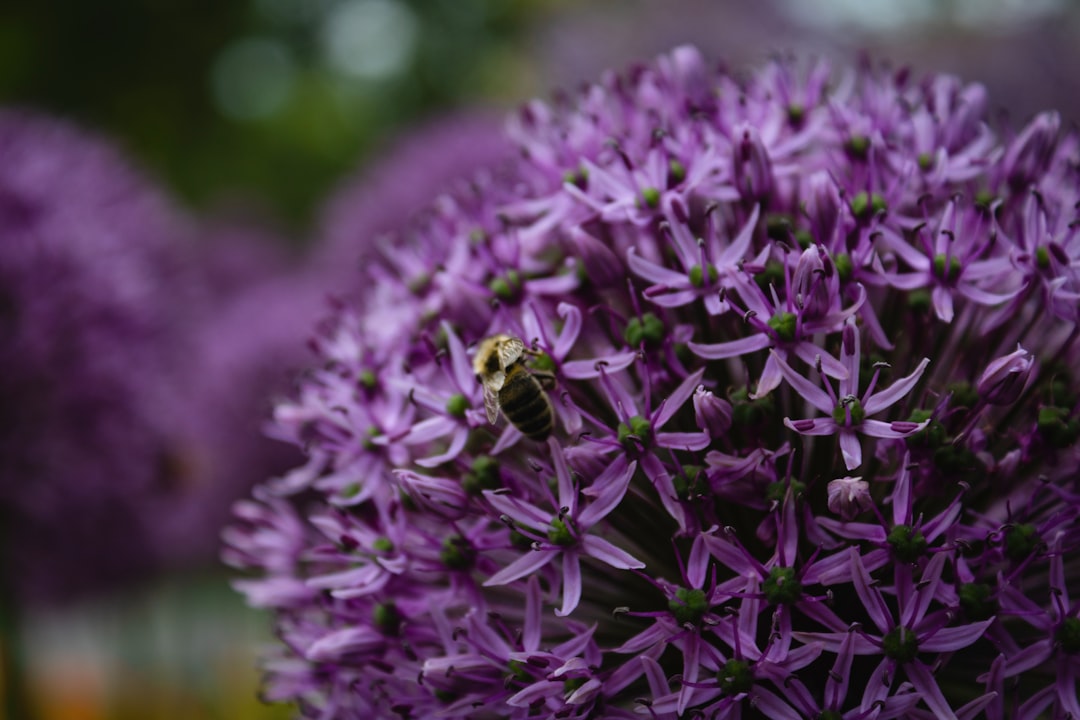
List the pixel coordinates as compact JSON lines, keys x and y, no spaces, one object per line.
{"x":546,"y":379}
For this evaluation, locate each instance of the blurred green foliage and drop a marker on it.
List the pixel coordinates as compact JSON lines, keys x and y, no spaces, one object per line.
{"x":144,"y":72}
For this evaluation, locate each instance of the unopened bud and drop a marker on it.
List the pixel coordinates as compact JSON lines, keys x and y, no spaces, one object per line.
{"x":823,"y":207}
{"x":1029,"y":154}
{"x":814,"y":283}
{"x":1006,"y":377}
{"x":849,"y":496}
{"x":752,"y":168}
{"x":713,"y":414}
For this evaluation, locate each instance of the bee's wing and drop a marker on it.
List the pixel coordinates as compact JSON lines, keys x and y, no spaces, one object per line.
{"x":491,"y":386}
{"x":510,"y":351}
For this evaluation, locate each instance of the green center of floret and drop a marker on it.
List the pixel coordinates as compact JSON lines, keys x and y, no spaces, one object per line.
{"x":852,"y":405}
{"x":577,"y":176}
{"x":784,"y":324}
{"x":1056,"y":427}
{"x":457,"y":405}
{"x":865,"y":205}
{"x":777,"y":491}
{"x":737,"y":676}
{"x":516,"y":669}
{"x":1021,"y":541}
{"x":772,"y":275}
{"x":782,"y":587}
{"x":689,"y":606}
{"x":483,"y":475}
{"x":777,"y":226}
{"x":900,"y":644}
{"x":544,"y":362}
{"x":383,"y":545}
{"x":947,"y":268}
{"x":830,"y":715}
{"x":844,"y":266}
{"x":638,"y":428}
{"x":796,"y":113}
{"x":386,"y":618}
{"x":647,"y":329}
{"x":1042,"y":258}
{"x":457,"y":553}
{"x":926,"y":161}
{"x":559,"y":533}
{"x":507,"y":286}
{"x":690,"y":484}
{"x":976,"y":600}
{"x":919,"y":301}
{"x":1068,"y":636}
{"x":932,"y":436}
{"x":858,"y":146}
{"x":651,"y":197}
{"x":697,"y":276}
{"x":368,"y":379}
{"x":676,"y":172}
{"x":908,"y":544}
{"x":962,"y":394}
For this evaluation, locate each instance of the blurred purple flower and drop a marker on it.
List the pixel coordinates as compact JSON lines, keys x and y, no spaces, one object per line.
{"x":696,"y":257}
{"x":96,"y":289}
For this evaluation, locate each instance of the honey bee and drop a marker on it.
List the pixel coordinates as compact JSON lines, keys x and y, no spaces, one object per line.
{"x":510,"y":386}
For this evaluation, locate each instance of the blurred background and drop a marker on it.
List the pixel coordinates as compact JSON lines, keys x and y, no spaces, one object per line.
{"x":286,"y":127}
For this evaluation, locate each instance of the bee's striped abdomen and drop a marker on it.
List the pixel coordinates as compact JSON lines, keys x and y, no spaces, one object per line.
{"x":526,"y":405}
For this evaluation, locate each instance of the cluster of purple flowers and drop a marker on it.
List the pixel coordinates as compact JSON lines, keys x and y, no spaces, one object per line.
{"x":813,"y":338}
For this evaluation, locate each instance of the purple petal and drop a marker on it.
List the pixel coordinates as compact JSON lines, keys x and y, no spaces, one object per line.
{"x":811,"y":354}
{"x":568,"y":494}
{"x":665,"y":298}
{"x":678,"y":397}
{"x":809,"y":391}
{"x":1030,"y":657}
{"x":589,"y":369}
{"x":571,"y":583}
{"x":736,"y":250}
{"x":921,"y":677}
{"x":1066,"y":687}
{"x":891,"y":430}
{"x":333,"y":646}
{"x":770,"y":377}
{"x":530,"y":635}
{"x":608,"y":490}
{"x":913,"y":612}
{"x":518,"y":510}
{"x":528,"y":563}
{"x":697,"y":566}
{"x":955,"y":638}
{"x":571,"y":316}
{"x":850,"y":448}
{"x":655,"y":273}
{"x":870,"y":596}
{"x":457,"y":444}
{"x":886,"y":398}
{"x":732,"y":348}
{"x":459,"y":360}
{"x":772,"y":706}
{"x":684,"y":440}
{"x":607,"y":553}
{"x":812,"y":426}
{"x":943,"y":303}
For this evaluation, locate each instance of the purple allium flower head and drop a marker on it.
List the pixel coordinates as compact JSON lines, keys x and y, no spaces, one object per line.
{"x":95,"y":292}
{"x":734,"y":291}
